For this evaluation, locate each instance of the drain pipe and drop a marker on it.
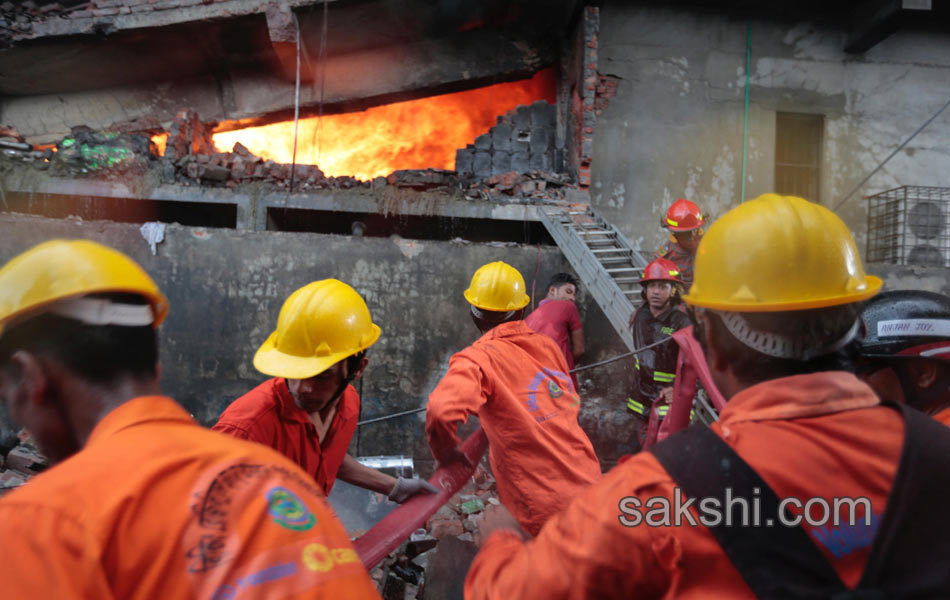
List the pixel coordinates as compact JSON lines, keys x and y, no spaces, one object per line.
{"x":745,"y":126}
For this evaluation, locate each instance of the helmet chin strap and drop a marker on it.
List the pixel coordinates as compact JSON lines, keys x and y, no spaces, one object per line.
{"x":352,"y":365}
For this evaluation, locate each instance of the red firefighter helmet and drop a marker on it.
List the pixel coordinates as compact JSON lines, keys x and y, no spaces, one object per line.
{"x":661,"y":269}
{"x":683,"y":215}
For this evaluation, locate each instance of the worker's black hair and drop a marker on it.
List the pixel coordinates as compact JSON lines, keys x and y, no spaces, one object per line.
{"x":822,"y":324}
{"x":97,"y":353}
{"x":559,"y":279}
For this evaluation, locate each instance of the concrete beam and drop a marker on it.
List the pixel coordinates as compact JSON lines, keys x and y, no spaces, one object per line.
{"x":392,"y":73}
{"x":97,"y":25}
{"x":252,"y":205}
{"x":878,"y":19}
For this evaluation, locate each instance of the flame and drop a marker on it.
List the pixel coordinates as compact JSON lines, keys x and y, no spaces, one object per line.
{"x":416,"y":134}
{"x":160,"y":140}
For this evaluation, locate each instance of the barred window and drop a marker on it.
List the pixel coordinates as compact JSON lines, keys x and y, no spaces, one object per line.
{"x":798,"y":139}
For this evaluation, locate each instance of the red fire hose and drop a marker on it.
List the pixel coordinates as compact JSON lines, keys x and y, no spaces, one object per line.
{"x":690,"y":367}
{"x":385,"y":536}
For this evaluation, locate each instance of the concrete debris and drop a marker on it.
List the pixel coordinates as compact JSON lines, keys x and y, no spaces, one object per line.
{"x":533,"y":186}
{"x":188,"y":136}
{"x":20,"y":464}
{"x":428,"y":179}
{"x":432,"y":563}
{"x":191,"y":158}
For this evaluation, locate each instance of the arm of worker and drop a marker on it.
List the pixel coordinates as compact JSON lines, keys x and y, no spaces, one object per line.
{"x":396,"y":489}
{"x":577,"y":332}
{"x":461,"y":392}
{"x":583,"y":552}
{"x":45,"y":554}
{"x":250,"y":431}
{"x":577,"y":343}
{"x":352,"y":472}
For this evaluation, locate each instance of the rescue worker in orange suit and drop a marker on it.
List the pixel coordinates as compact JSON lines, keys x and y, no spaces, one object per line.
{"x":308,"y":411}
{"x":685,"y":221}
{"x":557,"y":318}
{"x":797,"y":427}
{"x":141,"y":502}
{"x":905,"y":351}
{"x":516,"y":381}
{"x":656,"y":319}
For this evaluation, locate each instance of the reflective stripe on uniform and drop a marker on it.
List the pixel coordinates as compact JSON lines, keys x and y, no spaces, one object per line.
{"x":635,"y":406}
{"x":663,"y":377}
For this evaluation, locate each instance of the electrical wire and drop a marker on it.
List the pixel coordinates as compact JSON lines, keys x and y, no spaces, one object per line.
{"x":891,"y":155}
{"x":392,"y":416}
{"x":616,"y":358}
{"x":603,"y":362}
{"x":293,"y":160}
{"x":745,"y":126}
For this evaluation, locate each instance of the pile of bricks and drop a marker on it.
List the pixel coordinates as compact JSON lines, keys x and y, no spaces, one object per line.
{"x":532,"y":186}
{"x":403,"y":575}
{"x":17,"y":18}
{"x":191,"y":158}
{"x":241,"y":167}
{"x":20,"y":464}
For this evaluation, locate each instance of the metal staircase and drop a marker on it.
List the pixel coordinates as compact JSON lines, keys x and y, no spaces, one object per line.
{"x":606,"y":262}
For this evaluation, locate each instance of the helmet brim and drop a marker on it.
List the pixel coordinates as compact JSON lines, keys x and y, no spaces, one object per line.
{"x":271,"y":361}
{"x":470,"y":298}
{"x":873,"y":287}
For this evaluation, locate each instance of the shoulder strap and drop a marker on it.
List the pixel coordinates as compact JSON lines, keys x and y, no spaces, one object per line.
{"x":911,"y":551}
{"x":775,"y":561}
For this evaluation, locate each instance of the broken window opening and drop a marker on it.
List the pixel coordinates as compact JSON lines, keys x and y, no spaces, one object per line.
{"x":416,"y":227}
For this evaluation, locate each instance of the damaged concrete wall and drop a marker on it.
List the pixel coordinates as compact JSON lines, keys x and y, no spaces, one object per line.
{"x":675,"y":126}
{"x":226,"y":288}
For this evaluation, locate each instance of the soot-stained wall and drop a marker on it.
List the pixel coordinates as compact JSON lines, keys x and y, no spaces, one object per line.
{"x":226,"y":288}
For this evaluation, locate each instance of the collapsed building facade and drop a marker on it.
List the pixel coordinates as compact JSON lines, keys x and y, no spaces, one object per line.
{"x":120,"y":113}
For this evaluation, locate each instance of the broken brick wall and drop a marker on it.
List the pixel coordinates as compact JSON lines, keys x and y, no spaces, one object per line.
{"x":523,"y":140}
{"x":583,"y":79}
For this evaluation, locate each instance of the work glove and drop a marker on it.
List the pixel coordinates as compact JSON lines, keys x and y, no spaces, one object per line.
{"x":407,"y":488}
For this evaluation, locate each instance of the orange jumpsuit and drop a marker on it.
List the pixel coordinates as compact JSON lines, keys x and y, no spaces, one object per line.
{"x":155,"y":506}
{"x":516,"y":381}
{"x":943,"y":416}
{"x":809,"y":435}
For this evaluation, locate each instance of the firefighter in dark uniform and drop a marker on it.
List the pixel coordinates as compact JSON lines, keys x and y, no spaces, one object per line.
{"x":657,"y":318}
{"x":684,"y":220}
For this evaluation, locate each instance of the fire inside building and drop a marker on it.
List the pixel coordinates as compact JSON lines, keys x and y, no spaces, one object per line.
{"x":531,"y":298}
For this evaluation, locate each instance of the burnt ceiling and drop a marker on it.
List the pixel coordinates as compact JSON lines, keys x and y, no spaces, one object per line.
{"x":235,"y":60}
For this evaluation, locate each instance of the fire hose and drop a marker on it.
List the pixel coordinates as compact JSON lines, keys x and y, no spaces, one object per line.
{"x":691,"y":367}
{"x":384,"y":537}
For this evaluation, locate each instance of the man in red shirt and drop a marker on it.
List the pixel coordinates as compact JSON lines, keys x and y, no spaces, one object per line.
{"x":308,"y":411}
{"x":557,"y":317}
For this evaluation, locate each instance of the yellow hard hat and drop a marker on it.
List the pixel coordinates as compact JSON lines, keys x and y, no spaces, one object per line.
{"x":58,"y":270}
{"x":778,"y":253}
{"x":498,"y":287}
{"x":319,"y":325}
